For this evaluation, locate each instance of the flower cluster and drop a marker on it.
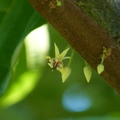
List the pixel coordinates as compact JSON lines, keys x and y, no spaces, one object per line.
{"x":56,"y":63}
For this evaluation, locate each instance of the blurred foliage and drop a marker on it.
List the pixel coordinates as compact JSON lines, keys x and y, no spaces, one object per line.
{"x":35,"y":92}
{"x":18,"y":18}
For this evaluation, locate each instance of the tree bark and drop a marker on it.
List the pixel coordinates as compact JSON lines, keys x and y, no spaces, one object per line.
{"x":84,"y":35}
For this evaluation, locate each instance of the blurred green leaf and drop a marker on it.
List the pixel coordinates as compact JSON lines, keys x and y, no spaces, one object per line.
{"x":4,"y":5}
{"x":18,"y":18}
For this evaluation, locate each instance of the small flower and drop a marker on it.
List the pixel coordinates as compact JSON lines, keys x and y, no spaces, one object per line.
{"x":56,"y":63}
{"x":100,"y":68}
{"x":88,"y":73}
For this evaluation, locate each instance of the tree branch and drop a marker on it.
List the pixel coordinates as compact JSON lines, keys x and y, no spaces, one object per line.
{"x":84,"y":35}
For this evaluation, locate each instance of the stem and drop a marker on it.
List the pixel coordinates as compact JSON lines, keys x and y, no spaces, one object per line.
{"x":70,"y":61}
{"x":86,"y":63}
{"x":103,"y":58}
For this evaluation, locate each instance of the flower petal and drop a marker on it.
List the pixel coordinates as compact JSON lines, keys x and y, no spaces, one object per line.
{"x":65,"y":73}
{"x":62,"y":55}
{"x":56,"y":51}
{"x":66,"y":58}
{"x":50,"y":65}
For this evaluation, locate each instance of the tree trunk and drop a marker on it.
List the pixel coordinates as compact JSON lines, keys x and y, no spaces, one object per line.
{"x":85,"y":35}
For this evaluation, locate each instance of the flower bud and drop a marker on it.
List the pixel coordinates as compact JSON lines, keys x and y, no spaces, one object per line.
{"x":87,"y":72}
{"x":100,"y":68}
{"x":59,"y":3}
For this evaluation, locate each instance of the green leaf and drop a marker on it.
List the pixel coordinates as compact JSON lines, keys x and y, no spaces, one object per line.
{"x":18,"y":19}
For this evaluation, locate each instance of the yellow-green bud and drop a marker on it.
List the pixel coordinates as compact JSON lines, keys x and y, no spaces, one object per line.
{"x":58,"y":3}
{"x":100,"y":68}
{"x":88,"y":73}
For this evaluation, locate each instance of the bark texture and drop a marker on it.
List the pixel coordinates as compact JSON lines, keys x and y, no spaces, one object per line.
{"x":105,"y":12}
{"x":84,"y":35}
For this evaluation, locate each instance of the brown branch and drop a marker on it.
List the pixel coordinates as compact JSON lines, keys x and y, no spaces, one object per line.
{"x":84,"y":35}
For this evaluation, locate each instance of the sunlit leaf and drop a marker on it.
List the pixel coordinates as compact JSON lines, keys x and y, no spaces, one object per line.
{"x":28,"y":66}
